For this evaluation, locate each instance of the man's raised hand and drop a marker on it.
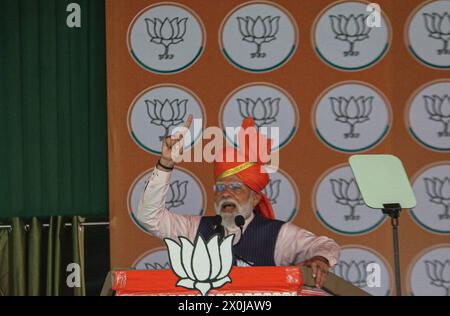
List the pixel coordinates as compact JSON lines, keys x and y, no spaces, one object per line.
{"x":172,"y":146}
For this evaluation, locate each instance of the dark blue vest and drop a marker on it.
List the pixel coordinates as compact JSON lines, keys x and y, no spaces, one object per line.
{"x":257,"y":245}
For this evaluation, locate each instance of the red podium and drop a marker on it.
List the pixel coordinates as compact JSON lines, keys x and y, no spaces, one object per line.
{"x":291,"y":281}
{"x":245,"y":281}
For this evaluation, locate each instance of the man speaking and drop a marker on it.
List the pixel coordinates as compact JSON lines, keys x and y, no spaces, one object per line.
{"x":243,"y":210}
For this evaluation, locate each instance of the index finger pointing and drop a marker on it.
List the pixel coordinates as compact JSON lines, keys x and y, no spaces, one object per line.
{"x":188,"y":122}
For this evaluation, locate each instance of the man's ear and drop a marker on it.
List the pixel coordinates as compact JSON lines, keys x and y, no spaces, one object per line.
{"x":256,"y":198}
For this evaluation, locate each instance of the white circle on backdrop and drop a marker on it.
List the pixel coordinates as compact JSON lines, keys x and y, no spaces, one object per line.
{"x":339,"y":205}
{"x":352,"y":116}
{"x":432,"y":189}
{"x":166,"y":38}
{"x":343,"y":39}
{"x":258,"y":36}
{"x":155,"y":259}
{"x":427,"y":34}
{"x":269,"y":105}
{"x":353,"y":267}
{"x":428,"y":115}
{"x":156,"y":111}
{"x":283,"y":194}
{"x":429,"y":274}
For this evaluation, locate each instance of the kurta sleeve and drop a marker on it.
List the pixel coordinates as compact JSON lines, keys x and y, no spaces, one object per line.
{"x":156,"y":218}
{"x":295,"y":245}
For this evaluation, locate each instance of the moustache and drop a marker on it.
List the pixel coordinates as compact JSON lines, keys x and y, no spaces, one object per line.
{"x":228,"y":202}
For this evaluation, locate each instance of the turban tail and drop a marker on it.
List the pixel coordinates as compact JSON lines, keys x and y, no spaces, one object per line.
{"x":246,"y":163}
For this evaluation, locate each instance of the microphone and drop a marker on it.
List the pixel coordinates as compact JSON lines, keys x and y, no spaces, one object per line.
{"x":239,"y":221}
{"x":217,"y":223}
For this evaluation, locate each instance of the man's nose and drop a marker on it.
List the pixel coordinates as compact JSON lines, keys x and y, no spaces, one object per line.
{"x":226,"y":192}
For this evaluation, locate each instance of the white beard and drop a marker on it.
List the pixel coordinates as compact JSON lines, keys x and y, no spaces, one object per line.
{"x":228,"y":218}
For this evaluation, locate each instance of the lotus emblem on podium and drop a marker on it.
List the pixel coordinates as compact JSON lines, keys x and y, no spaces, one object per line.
{"x":203,"y":266}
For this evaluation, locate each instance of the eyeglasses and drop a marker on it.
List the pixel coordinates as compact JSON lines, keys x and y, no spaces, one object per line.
{"x":233,"y":186}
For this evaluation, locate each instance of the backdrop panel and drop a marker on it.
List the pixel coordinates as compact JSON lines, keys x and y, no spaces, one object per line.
{"x":335,"y":77}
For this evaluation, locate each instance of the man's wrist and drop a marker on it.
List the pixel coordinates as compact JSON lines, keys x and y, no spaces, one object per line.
{"x":323,"y":259}
{"x":165,"y":166}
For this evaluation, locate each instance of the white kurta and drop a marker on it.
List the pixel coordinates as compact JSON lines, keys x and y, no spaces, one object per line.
{"x":294,"y":244}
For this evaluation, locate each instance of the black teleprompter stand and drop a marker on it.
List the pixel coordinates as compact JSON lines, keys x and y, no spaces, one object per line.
{"x":393,"y":211}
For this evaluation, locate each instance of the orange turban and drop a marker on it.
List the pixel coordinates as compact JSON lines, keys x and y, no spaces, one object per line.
{"x":241,"y":162}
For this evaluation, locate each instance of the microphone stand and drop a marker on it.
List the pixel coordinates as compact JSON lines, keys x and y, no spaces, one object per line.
{"x":393,"y":211}
{"x":218,"y":228}
{"x":240,"y":221}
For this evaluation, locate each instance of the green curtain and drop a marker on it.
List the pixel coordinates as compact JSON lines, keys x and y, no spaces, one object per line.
{"x":53,"y":131}
{"x":54,"y":256}
{"x":53,"y":135}
{"x":34,"y":253}
{"x":33,"y":258}
{"x":78,"y":252}
{"x":4,"y":262}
